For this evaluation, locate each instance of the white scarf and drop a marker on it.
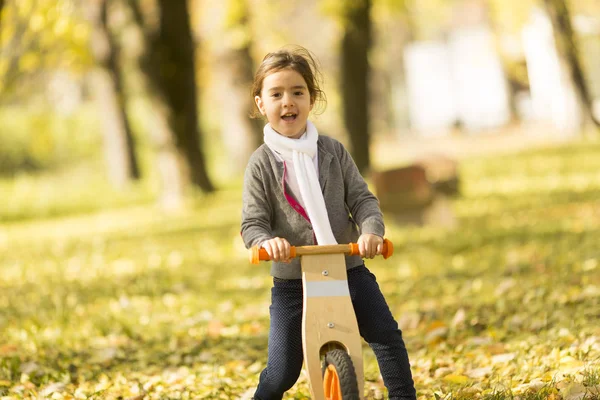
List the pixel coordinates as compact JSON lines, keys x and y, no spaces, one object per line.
{"x":301,"y":153}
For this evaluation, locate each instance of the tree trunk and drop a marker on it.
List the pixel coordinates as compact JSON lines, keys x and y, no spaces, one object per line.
{"x":169,"y":66}
{"x":1,"y":8}
{"x":356,"y":43}
{"x":568,"y":49}
{"x":178,"y":81}
{"x":107,"y":86}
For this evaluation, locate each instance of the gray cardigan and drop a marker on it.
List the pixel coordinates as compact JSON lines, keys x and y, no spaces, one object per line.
{"x":266,"y":213}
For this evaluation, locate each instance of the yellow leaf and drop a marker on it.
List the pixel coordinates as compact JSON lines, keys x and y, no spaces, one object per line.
{"x":29,"y":61}
{"x":496,"y":348}
{"x":214,"y":328}
{"x":457,"y":379}
{"x":436,"y":332}
{"x":61,"y":27}
{"x":547,"y":378}
{"x":36,"y":23}
{"x":435,"y":325}
{"x":8,"y":349}
{"x":573,"y":390}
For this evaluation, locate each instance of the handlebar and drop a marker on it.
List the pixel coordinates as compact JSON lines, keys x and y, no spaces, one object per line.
{"x":259,"y":254}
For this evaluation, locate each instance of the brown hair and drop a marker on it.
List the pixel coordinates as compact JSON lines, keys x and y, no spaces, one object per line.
{"x":298,"y":59}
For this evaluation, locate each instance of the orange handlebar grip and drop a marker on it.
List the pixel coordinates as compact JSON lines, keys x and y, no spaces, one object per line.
{"x":259,"y":254}
{"x":387,"y":250}
{"x":354,"y":251}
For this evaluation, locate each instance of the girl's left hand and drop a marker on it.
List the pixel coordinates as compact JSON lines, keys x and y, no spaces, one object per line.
{"x":370,"y":245}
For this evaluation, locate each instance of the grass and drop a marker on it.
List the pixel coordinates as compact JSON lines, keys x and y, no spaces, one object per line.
{"x":104,"y":296}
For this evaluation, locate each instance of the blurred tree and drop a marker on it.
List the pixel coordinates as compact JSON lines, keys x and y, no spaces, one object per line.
{"x":169,"y":64}
{"x":1,"y":8}
{"x":401,"y":10}
{"x":234,"y":75}
{"x":393,"y":29}
{"x":37,"y":39}
{"x":355,"y":45}
{"x":107,"y":85}
{"x":568,"y":49}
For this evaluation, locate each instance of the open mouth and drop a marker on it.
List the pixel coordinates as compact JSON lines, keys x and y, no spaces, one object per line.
{"x":289,"y":117}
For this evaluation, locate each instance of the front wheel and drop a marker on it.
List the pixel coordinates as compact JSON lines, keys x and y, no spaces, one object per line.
{"x":339,"y":376}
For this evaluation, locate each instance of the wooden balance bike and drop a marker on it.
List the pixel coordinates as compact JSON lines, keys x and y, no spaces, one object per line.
{"x":330,"y":337}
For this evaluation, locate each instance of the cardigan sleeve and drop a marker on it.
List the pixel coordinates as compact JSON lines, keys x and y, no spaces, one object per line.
{"x":256,"y":209}
{"x":363,"y":204}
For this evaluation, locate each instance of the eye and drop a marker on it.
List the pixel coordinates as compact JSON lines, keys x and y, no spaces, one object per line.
{"x":299,"y":93}
{"x":276,"y":94}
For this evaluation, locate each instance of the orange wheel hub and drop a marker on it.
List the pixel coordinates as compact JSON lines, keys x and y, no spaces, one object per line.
{"x":331,"y":383}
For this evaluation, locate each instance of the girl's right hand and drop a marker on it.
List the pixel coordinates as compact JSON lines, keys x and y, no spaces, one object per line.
{"x":278,"y":249}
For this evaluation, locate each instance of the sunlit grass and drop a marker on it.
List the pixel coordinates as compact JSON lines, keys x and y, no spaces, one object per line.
{"x":78,"y":190}
{"x":102,"y":295}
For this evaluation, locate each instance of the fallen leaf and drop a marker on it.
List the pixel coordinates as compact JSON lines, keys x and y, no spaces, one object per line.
{"x":479,"y":340}
{"x":409,"y":321}
{"x":436,"y":332}
{"x":504,"y":287}
{"x":459,"y":318}
{"x":52,"y":388}
{"x":443,"y":371}
{"x":573,"y":391}
{"x":105,"y":355}
{"x":479,"y":372}
{"x":502,"y":358}
{"x":457,"y":379}
{"x":496,"y":348}
{"x":8,"y":349}
{"x":30,"y":368}
{"x":214,"y":328}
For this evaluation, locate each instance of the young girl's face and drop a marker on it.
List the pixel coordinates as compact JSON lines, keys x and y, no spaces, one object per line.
{"x":285,"y":101}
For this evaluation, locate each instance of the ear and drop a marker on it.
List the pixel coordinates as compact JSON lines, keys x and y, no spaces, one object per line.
{"x":260,"y":104}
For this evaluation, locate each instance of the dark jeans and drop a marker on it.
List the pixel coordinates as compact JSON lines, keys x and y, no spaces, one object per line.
{"x":376,"y":324}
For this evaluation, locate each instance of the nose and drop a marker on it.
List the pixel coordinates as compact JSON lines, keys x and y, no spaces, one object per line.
{"x":287,"y":100}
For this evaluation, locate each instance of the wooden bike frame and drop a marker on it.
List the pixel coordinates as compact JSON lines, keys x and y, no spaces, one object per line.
{"x":328,"y":319}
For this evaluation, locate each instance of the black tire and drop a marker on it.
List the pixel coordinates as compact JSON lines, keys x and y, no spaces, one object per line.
{"x":342,"y":363}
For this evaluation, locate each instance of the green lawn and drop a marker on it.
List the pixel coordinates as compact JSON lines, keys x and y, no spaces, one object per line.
{"x":127,"y":302}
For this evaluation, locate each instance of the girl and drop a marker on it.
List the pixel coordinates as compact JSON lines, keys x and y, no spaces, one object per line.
{"x":301,"y":188}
